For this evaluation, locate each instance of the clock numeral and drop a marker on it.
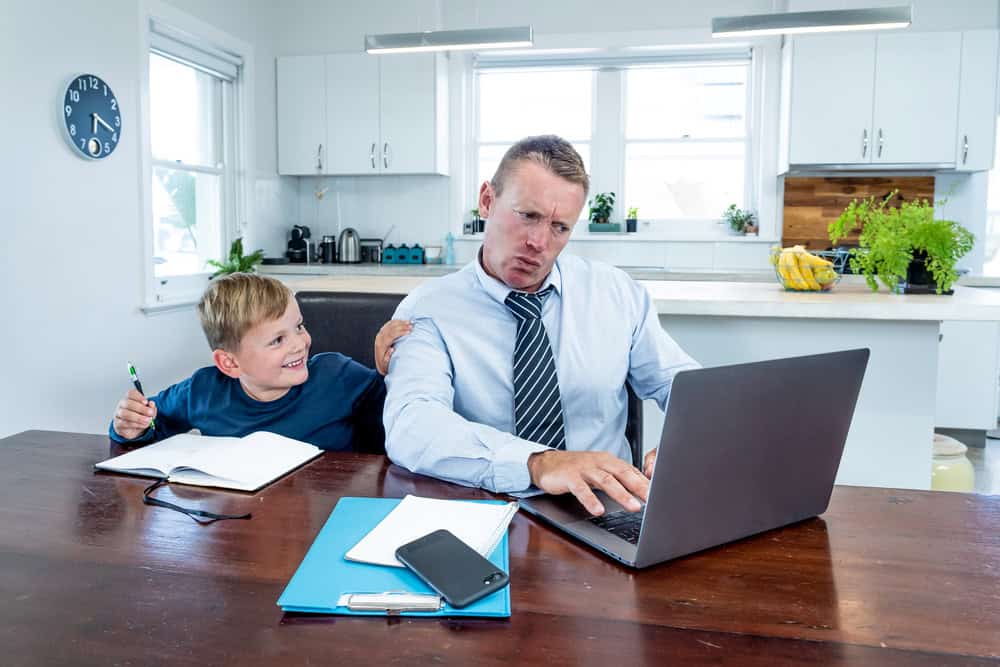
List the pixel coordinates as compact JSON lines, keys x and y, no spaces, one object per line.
{"x":72,"y":129}
{"x":83,"y":143}
{"x":114,"y":137}
{"x":105,"y":90}
{"x":107,"y":147}
{"x":81,"y":83}
{"x":74,"y":95}
{"x":114,"y":104}
{"x":69,"y":111}
{"x":93,"y":82}
{"x":118,"y":121}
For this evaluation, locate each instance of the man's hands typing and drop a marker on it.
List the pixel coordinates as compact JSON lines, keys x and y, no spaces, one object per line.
{"x":556,"y":471}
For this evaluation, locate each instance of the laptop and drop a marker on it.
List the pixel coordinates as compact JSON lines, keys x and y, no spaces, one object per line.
{"x":745,"y":448}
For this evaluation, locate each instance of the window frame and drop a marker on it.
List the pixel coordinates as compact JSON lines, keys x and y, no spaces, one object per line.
{"x":167,"y":293}
{"x":608,"y":115}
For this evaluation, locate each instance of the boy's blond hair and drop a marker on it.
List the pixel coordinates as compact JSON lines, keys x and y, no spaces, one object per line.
{"x":235,"y":303}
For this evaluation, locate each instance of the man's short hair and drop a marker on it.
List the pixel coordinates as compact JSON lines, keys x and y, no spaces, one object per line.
{"x":552,"y":152}
{"x":235,"y":303}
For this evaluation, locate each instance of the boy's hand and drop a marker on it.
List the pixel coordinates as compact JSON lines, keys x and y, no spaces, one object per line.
{"x":390,"y":332}
{"x":133,"y":415}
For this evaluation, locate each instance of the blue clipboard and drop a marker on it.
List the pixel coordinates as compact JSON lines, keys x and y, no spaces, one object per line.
{"x":324,"y":575}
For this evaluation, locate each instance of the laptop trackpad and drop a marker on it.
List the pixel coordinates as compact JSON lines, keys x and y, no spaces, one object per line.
{"x":566,"y":509}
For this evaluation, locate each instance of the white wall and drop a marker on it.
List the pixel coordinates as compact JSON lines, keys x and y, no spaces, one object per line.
{"x":71,"y":267}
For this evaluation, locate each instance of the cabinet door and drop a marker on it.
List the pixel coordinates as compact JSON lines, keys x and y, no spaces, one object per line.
{"x":916,"y":98}
{"x":414,"y":114}
{"x":977,"y":102}
{"x":352,"y":113}
{"x":831,"y":99}
{"x":301,"y":115}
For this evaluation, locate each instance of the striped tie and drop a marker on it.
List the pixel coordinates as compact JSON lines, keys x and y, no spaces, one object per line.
{"x":537,"y":409}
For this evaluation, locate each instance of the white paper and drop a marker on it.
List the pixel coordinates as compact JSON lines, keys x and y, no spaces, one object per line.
{"x":480,"y":525}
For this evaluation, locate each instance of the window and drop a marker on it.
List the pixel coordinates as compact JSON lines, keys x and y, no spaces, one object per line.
{"x":195,"y":193}
{"x":513,"y":104}
{"x":991,"y":252}
{"x":670,"y":134}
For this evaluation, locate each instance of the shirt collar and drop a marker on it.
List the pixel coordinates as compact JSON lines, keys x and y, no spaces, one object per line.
{"x":498,"y":290}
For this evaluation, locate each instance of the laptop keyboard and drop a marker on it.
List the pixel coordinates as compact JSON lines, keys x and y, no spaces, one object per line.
{"x":624,"y":524}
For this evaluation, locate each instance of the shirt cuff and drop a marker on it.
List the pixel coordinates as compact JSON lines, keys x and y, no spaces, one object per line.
{"x":510,"y":464}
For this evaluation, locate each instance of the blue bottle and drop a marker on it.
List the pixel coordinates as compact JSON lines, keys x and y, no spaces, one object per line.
{"x":449,"y":248}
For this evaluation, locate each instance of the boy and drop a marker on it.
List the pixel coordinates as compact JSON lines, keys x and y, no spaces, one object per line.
{"x":263,"y":378}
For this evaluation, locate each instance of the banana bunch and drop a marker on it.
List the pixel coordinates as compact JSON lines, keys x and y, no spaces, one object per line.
{"x":802,"y":271}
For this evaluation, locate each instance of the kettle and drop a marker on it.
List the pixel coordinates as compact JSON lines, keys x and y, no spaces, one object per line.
{"x":349,"y":245}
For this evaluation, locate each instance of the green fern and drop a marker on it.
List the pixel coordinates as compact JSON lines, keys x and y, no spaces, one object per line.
{"x":891,"y":236}
{"x":237,"y":262}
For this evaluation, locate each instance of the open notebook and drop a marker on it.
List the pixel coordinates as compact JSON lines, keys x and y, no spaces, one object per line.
{"x":247,"y":464}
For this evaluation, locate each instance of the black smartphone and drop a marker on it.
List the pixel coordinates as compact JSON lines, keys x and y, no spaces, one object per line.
{"x":451,"y":567}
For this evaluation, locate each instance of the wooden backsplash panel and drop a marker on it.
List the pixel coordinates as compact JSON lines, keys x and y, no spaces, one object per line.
{"x":812,"y":203}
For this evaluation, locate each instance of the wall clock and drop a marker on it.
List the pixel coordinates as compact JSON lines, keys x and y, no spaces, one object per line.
{"x":92,"y":117}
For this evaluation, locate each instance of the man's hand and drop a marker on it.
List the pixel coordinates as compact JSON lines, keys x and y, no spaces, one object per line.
{"x":390,"y":332}
{"x":133,"y":415}
{"x":557,"y":471}
{"x":648,"y":461}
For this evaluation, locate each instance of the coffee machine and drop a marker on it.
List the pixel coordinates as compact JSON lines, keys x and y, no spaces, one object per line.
{"x":299,"y":246}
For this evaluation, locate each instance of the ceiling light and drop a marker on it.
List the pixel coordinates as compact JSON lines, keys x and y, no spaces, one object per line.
{"x":882,"y":18}
{"x":449,"y":40}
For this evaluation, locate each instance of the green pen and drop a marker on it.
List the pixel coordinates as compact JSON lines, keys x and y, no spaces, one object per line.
{"x":138,"y":388}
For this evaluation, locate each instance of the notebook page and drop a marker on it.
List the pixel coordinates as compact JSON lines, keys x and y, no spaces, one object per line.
{"x":480,"y":525}
{"x":161,"y":457}
{"x":246,"y":463}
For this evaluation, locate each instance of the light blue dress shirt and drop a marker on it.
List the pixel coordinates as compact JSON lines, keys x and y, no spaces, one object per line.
{"x":449,"y":412}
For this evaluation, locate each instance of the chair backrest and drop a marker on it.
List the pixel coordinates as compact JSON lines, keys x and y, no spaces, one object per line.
{"x":347,"y":322}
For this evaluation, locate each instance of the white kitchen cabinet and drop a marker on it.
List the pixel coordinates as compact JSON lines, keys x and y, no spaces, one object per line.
{"x":352,"y":116}
{"x":831,"y":99}
{"x":977,"y":109}
{"x":301,"y":99}
{"x":374,"y":115}
{"x":916,"y":97}
{"x":968,"y":368}
{"x":872,"y":101}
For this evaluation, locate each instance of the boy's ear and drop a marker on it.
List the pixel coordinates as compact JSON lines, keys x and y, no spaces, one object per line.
{"x":226,"y":363}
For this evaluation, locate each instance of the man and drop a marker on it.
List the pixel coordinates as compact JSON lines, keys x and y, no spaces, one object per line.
{"x":514,"y":373}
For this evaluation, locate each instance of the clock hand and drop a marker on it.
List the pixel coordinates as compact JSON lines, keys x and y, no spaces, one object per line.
{"x":93,"y":128}
{"x":98,"y":119}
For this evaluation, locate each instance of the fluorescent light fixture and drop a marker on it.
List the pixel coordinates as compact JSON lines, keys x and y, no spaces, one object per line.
{"x":834,"y":20}
{"x":449,"y":40}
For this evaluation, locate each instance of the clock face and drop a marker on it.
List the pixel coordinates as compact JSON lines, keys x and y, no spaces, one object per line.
{"x":92,"y":117}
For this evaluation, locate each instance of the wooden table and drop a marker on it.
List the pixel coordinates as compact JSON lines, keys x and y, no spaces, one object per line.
{"x":89,"y":575}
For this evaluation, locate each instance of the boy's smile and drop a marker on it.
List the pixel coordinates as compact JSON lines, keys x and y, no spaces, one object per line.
{"x":272,"y":356}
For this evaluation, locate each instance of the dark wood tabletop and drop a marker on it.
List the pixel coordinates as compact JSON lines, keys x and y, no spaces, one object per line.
{"x":90,"y":575}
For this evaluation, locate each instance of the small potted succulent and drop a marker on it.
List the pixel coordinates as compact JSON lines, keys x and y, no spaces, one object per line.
{"x":632,"y":219}
{"x":601,"y":207}
{"x":739,"y":221}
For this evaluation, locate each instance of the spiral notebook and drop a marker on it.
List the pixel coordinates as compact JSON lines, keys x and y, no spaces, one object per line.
{"x":480,"y":525}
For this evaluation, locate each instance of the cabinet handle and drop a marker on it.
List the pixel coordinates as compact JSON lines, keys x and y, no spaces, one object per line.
{"x":864,"y":143}
{"x":385,"y":155}
{"x":965,"y":148}
{"x":371,"y":155}
{"x":880,"y":142}
{"x":319,"y":157}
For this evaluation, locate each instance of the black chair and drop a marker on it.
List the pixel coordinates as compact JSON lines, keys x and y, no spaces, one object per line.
{"x":347,"y":322}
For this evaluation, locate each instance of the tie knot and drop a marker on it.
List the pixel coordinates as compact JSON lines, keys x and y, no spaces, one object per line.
{"x":527,"y":306}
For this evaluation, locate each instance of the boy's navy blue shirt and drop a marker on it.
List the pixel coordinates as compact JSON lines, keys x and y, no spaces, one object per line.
{"x":339,"y":407}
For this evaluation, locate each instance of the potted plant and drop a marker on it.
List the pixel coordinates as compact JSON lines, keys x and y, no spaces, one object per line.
{"x":599,"y":213}
{"x":237,"y":262}
{"x":904,"y":247}
{"x":477,"y":223}
{"x":632,"y":219}
{"x":739,"y":221}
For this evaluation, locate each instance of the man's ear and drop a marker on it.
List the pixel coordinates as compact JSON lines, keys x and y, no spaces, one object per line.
{"x":487,"y":199}
{"x":226,"y":363}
